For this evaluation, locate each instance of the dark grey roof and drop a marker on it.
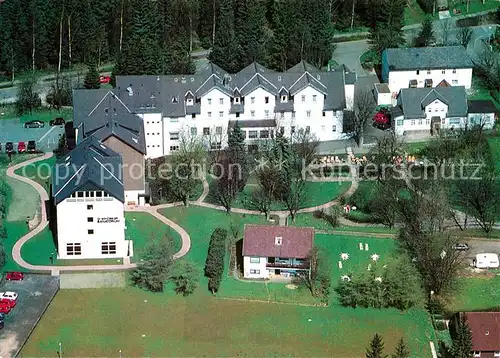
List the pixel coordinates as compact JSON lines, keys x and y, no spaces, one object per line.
{"x":414,"y":100}
{"x":284,"y":106}
{"x":482,"y":106}
{"x":102,"y":114}
{"x":237,"y":108}
{"x":266,"y":123}
{"x":90,"y":166}
{"x":396,"y":111}
{"x":427,"y":58}
{"x":167,"y":93}
{"x":382,"y":88}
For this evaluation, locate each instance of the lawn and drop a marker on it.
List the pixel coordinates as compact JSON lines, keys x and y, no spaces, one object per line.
{"x":494,"y":143}
{"x":200,"y":325}
{"x":39,"y":171}
{"x":414,"y":13}
{"x":317,"y":193}
{"x":476,"y":294}
{"x":42,"y":114}
{"x":414,"y":148}
{"x":474,"y":6}
{"x":15,"y":230}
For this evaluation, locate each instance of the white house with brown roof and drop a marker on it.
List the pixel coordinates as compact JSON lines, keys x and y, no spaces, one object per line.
{"x":485,"y":329}
{"x":276,"y":251}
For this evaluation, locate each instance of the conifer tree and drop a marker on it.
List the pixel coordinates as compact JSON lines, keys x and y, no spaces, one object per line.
{"x":401,"y":350}
{"x":462,"y":342}
{"x":91,"y":80}
{"x":376,"y":349}
{"x":426,"y":35}
{"x":225,"y":49}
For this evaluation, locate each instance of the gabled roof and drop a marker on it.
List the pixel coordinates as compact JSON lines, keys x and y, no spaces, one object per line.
{"x":482,"y":106}
{"x":259,"y":240}
{"x":90,"y":166}
{"x":443,"y":83}
{"x":258,"y":81}
{"x":303,"y":66}
{"x":427,"y":58}
{"x":413,"y":100}
{"x":102,"y":114}
{"x":485,"y":329}
{"x":305,"y":80}
{"x":254,"y":68}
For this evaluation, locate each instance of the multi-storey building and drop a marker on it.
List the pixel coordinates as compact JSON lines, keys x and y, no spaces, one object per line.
{"x":88,"y":192}
{"x":208,"y":103}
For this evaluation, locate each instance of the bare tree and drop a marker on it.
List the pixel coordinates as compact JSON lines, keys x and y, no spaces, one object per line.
{"x":305,"y":145}
{"x":364,"y":108}
{"x":268,"y":190}
{"x":445,"y":25}
{"x":464,"y":36}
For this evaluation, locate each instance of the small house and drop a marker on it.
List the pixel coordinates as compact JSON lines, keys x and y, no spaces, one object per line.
{"x":485,"y":329}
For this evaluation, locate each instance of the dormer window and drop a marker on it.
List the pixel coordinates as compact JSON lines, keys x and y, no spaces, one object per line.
{"x":284,"y":98}
{"x":278,"y":241}
{"x":189,"y":102}
{"x":237,"y":100}
{"x":175,"y":99}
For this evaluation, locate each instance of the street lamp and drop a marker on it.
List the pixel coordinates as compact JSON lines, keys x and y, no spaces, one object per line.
{"x":120,"y":351}
{"x":60,"y":350}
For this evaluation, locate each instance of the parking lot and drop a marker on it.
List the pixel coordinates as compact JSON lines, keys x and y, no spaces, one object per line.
{"x":12,"y":130}
{"x":35,"y":293}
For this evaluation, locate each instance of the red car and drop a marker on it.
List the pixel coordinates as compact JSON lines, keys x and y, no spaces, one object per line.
{"x":21,"y":147}
{"x":4,"y":308}
{"x":14,"y":276}
{"x":104,"y":79}
{"x":7,"y":302}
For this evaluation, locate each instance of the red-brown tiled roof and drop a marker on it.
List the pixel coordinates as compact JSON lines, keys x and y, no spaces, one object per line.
{"x":443,"y":83}
{"x":485,"y":328}
{"x":259,"y":240}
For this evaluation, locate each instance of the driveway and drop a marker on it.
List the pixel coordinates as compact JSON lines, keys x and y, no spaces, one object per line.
{"x":35,"y":294}
{"x":12,"y":130}
{"x":348,"y":53}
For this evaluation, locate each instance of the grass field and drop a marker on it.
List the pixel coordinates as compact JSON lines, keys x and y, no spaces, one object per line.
{"x":476,"y":294}
{"x":414,"y":13}
{"x":42,"y":114}
{"x":39,"y":171}
{"x":317,"y":193}
{"x":474,"y":6}
{"x":15,"y":230}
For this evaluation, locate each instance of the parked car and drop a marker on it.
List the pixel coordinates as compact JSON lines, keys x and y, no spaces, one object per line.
{"x":9,"y":147}
{"x":4,"y":308}
{"x":6,"y":301}
{"x":2,"y":317}
{"x":31,"y":146}
{"x":2,"y":324}
{"x":34,"y":124}
{"x":461,"y":247}
{"x":8,"y":295}
{"x":104,"y":79}
{"x":57,"y":122}
{"x":21,"y":147}
{"x":14,"y":276}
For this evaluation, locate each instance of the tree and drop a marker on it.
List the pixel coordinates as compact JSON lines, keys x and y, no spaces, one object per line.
{"x":214,"y":264}
{"x":376,"y":349}
{"x":445,"y":25}
{"x":318,"y":279}
{"x":60,"y":93}
{"x":384,"y":207}
{"x":426,"y":36}
{"x":462,"y":342}
{"x":91,"y":80}
{"x":305,"y":145}
{"x":27,"y":98}
{"x":464,"y":36}
{"x":364,"y":108}
{"x":2,"y":253}
{"x":152,"y":272}
{"x":401,"y":350}
{"x":225,"y":47}
{"x":387,"y":31}
{"x":185,"y":276}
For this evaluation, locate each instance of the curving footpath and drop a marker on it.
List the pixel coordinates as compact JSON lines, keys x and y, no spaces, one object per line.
{"x":16,"y":250}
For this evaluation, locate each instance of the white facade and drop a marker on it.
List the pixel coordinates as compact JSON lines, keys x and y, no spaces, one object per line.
{"x":486,"y":120}
{"x":455,"y":77}
{"x":255,"y":267}
{"x":135,"y":196}
{"x":91,"y":225}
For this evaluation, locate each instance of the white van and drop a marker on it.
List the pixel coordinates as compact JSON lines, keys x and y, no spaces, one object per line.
{"x":485,"y":261}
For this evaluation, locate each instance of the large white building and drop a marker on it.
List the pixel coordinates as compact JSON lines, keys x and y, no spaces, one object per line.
{"x":88,"y":194}
{"x":426,"y":67}
{"x":206,"y":104}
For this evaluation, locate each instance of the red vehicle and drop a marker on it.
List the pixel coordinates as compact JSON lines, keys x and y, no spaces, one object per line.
{"x":104,"y":79}
{"x":4,"y":308}
{"x":14,"y":276}
{"x":7,"y":302}
{"x":21,"y":147}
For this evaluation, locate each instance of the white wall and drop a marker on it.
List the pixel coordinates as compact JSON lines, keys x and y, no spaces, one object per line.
{"x":485,"y":119}
{"x":401,"y":79}
{"x":349,"y":96}
{"x":153,"y":132}
{"x":436,"y":109}
{"x":261,"y":266}
{"x":72,"y":226}
{"x":260,"y":108}
{"x":402,"y":125}
{"x":133,"y":195}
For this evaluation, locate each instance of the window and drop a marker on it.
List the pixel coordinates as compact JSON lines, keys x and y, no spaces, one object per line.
{"x":98,"y":194}
{"x":266,"y":99}
{"x":283,"y":98}
{"x":334,"y":128}
{"x":428,"y":72}
{"x":292,"y":129}
{"x":443,"y":72}
{"x":476,"y":354}
{"x":221,"y":100}
{"x":314,"y":98}
{"x":209,"y":101}
{"x":252,"y":113}
{"x":194,"y":131}
{"x":454,"y":121}
{"x":303,"y":98}
{"x":237,"y":100}
{"x":221,"y":114}
{"x":254,"y":272}
{"x":400,"y":122}
{"x":90,"y":219}
{"x":174,"y":120}
{"x":244,"y":134}
{"x":90,"y":231}
{"x":266,"y":113}
{"x":454,"y":71}
{"x":189,"y":102}
{"x":206,"y":131}
{"x":324,"y":114}
{"x":282,"y":114}
{"x":278,"y":241}
{"x":174,"y":135}
{"x":108,"y":248}
{"x":418,"y":72}
{"x":427,"y":121}
{"x":454,"y":82}
{"x":442,"y":109}
{"x":90,"y":207}
{"x":255,"y":260}
{"x":209,"y":114}
{"x":308,"y":114}
{"x":412,"y":122}
{"x":252,"y":100}
{"x":429,"y":110}
{"x":73,"y":249}
{"x":420,"y":121}
{"x":308,"y":129}
{"x":252,"y":134}
{"x":264,"y":134}
{"x":237,"y":114}
{"x":496,"y":354}
{"x":73,"y":195}
{"x":193,"y":116}
{"x":218,"y":130}
{"x":443,"y":121}
{"x":175,"y":99}
{"x":282,"y":130}
{"x":80,"y":194}
{"x":173,"y":148}
{"x":293,"y":114}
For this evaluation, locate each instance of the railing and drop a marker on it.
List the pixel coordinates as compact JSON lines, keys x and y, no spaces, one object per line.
{"x":287,"y":265}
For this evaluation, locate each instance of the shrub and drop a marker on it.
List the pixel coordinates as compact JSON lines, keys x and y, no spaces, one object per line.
{"x":214,"y":264}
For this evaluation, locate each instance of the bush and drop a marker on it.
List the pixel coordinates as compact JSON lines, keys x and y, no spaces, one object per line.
{"x":185,"y":276}
{"x":332,"y":216}
{"x":365,"y":193}
{"x":214,"y":264}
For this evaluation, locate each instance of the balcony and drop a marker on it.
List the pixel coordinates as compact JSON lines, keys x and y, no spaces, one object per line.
{"x":287,"y":265}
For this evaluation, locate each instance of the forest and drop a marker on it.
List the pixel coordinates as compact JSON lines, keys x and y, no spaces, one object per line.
{"x":158,"y":36}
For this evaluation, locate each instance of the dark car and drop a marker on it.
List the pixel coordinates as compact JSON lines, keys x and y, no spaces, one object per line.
{"x":2,"y":324}
{"x":57,"y":122}
{"x":34,"y":124}
{"x":9,"y":147}
{"x":461,"y":247}
{"x":31,"y":146}
{"x":2,"y":317}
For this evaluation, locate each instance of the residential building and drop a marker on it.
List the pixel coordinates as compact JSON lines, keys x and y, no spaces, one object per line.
{"x":426,"y":67}
{"x":270,"y":251}
{"x":209,"y":102}
{"x":430,"y":109}
{"x":101,"y":114}
{"x":89,"y":196}
{"x":485,"y":329}
{"x":481,"y":113}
